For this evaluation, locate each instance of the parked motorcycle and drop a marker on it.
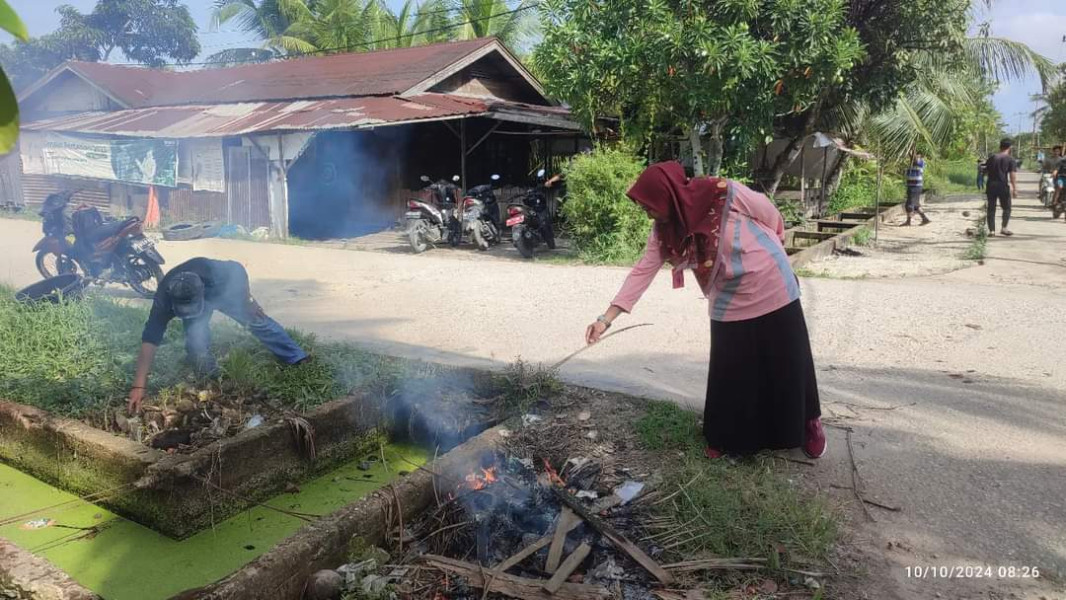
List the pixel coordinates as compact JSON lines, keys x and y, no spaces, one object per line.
{"x":1047,"y":189}
{"x":103,"y":251}
{"x":530,"y":221}
{"x":432,"y":220}
{"x":481,"y":215}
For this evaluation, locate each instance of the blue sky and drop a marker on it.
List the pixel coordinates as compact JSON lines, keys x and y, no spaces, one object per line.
{"x":1039,"y":23}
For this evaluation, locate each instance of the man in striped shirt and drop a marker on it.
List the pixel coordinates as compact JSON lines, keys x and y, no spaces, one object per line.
{"x":915,"y":179}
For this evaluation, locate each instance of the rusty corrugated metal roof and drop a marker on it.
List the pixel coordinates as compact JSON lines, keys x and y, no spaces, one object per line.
{"x":379,"y":73}
{"x":221,"y":120}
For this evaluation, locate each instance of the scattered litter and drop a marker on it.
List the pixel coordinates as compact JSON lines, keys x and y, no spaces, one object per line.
{"x":592,"y":434}
{"x":578,"y":462}
{"x":587,"y":494}
{"x":374,"y":584}
{"x":37,"y":524}
{"x":254,"y":422}
{"x":526,"y":462}
{"x":974,"y":327}
{"x":354,"y":572}
{"x":606,"y":571}
{"x":584,"y":415}
{"x":812,"y":583}
{"x":261,"y":233}
{"x":628,"y":490}
{"x":505,"y":433}
{"x":529,"y":419}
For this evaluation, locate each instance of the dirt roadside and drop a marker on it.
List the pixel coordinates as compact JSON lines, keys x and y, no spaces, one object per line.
{"x":952,"y":384}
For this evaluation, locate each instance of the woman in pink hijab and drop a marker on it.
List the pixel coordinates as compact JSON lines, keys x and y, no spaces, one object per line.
{"x":762,"y":393}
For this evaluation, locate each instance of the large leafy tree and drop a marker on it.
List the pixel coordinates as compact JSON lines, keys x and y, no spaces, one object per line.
{"x":922,"y":69}
{"x":695,"y":67}
{"x":149,"y":32}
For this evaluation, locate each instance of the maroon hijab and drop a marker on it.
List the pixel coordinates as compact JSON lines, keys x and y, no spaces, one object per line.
{"x":693,"y":211}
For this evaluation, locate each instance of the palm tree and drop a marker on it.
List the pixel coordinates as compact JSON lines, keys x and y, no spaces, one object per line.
{"x":512,"y":22}
{"x":413,"y":25}
{"x":335,"y":26}
{"x":271,"y":21}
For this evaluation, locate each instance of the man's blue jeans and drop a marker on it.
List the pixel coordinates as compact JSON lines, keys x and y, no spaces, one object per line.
{"x":268,"y":331}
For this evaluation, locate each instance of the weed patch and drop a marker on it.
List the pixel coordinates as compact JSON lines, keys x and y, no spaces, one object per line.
{"x":731,"y":508}
{"x":978,"y":250}
{"x":77,"y":358}
{"x":863,"y":236}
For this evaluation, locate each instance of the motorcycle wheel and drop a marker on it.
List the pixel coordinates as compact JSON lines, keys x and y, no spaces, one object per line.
{"x":417,"y":240}
{"x":479,"y":238}
{"x":144,"y":275}
{"x":50,"y":264}
{"x":522,"y":241}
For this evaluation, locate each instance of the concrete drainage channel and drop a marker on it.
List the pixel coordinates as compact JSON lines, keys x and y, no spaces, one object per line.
{"x":821,"y":238}
{"x":251,"y":516}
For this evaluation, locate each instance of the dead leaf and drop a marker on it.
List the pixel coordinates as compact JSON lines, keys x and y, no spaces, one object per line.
{"x":768,"y":586}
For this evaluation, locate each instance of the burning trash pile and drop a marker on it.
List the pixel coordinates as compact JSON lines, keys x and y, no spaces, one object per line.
{"x":524,"y":530}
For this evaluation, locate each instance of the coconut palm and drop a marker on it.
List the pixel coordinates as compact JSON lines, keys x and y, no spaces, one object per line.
{"x":512,"y":22}
{"x":269,"y":20}
{"x":416,"y":24}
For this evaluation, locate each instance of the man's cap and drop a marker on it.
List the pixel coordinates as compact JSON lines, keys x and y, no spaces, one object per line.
{"x":186,"y":292}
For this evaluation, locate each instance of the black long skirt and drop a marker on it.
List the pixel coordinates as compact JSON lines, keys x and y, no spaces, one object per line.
{"x":761,"y":389}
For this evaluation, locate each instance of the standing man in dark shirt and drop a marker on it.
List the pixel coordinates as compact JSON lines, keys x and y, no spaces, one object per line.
{"x":1002,"y":185}
{"x":192,"y":291}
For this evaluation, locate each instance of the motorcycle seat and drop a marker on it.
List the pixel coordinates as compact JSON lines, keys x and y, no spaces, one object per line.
{"x":479,"y":189}
{"x":109,"y":229}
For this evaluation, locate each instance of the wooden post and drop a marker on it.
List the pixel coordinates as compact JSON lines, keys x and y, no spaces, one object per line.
{"x":877,"y":198}
{"x":803,"y":176}
{"x":825,"y":170}
{"x":462,"y":153}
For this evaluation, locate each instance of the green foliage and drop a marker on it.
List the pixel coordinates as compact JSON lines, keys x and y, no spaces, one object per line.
{"x":605,"y":224}
{"x":744,"y":508}
{"x":295,"y":27}
{"x":792,"y":211}
{"x":858,"y":188}
{"x":979,"y":248}
{"x":9,"y":109}
{"x":666,"y":426}
{"x":524,"y":384}
{"x":148,"y":32}
{"x":665,"y":67}
{"x":863,"y":236}
{"x":77,"y":357}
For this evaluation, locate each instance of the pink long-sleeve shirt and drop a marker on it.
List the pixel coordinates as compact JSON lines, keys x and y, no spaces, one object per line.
{"x":751,"y":276}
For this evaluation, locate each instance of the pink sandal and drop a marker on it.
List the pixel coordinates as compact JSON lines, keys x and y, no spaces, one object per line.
{"x":816,"y":443}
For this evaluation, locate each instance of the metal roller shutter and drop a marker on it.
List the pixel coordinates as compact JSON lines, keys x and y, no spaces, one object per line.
{"x":35,"y":188}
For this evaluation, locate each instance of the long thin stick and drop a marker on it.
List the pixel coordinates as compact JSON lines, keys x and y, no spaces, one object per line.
{"x":586,"y":347}
{"x":855,"y":479}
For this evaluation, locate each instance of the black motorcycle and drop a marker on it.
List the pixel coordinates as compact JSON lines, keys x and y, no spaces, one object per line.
{"x":434,"y":218}
{"x":530,"y":221}
{"x":481,"y":215}
{"x":102,"y":250}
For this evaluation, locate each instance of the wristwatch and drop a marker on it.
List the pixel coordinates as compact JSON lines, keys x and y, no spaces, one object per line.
{"x":603,"y":319}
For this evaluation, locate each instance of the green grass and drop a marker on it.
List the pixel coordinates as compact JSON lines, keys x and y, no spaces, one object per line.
{"x":978,"y":250}
{"x":863,"y":236}
{"x":744,"y":508}
{"x":77,"y":358}
{"x":955,"y":177}
{"x":23,"y":215}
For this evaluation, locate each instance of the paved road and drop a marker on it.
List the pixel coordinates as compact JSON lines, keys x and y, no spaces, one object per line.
{"x":975,"y":454}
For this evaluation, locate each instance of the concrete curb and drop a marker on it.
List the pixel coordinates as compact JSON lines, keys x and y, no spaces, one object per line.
{"x":28,"y":577}
{"x":825,"y":249}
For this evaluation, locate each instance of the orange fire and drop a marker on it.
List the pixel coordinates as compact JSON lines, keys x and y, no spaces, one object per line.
{"x":480,"y":481}
{"x":553,"y":475}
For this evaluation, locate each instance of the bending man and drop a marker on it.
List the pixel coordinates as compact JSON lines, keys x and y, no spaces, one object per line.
{"x":192,"y":292}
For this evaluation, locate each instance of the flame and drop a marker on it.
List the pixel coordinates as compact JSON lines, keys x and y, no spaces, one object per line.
{"x":553,"y":475}
{"x":480,"y":481}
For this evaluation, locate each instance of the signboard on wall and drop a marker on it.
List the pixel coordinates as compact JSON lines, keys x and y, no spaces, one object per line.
{"x":131,"y":160}
{"x":208,"y":167}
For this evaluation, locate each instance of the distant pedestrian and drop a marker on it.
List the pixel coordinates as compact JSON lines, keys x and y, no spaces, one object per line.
{"x":1002,"y":185}
{"x":980,"y":174}
{"x":915,"y":183}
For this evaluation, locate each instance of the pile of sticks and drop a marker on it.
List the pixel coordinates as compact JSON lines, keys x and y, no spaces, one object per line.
{"x":560,"y":568}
